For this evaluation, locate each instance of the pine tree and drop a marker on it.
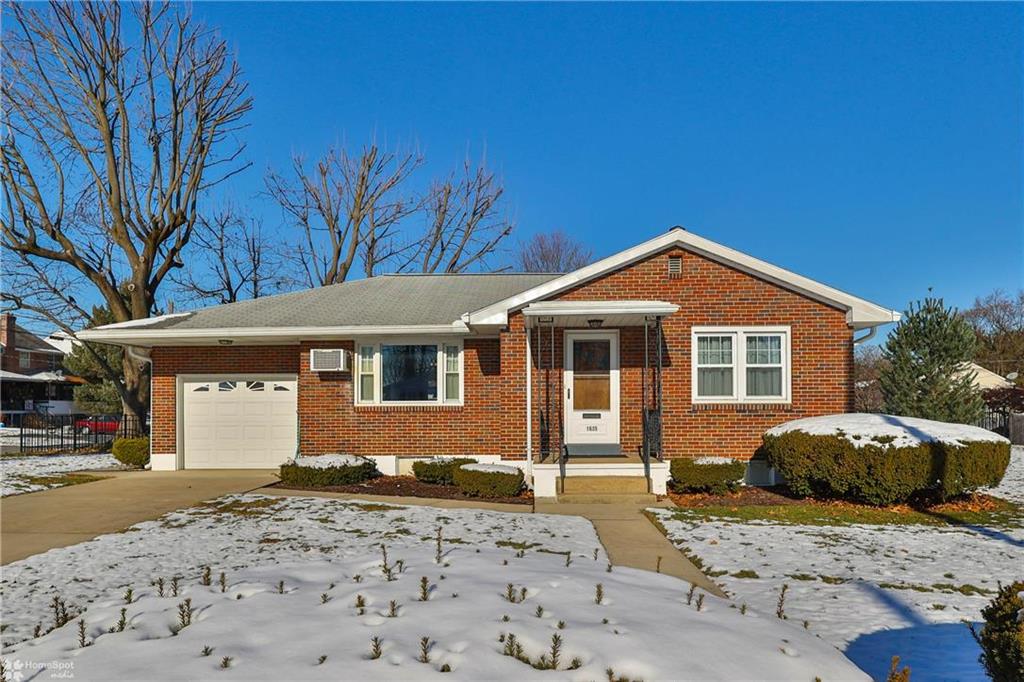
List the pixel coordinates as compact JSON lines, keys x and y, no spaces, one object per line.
{"x":927,"y":373}
{"x":98,"y":395}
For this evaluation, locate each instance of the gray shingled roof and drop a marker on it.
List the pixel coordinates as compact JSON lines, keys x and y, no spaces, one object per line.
{"x":379,"y":301}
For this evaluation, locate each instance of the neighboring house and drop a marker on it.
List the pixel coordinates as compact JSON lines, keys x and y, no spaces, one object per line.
{"x":714,"y":345}
{"x":986,"y":379}
{"x":31,"y":375}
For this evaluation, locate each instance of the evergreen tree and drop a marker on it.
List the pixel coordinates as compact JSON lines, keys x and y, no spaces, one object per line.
{"x":98,"y":395}
{"x":926,"y":375}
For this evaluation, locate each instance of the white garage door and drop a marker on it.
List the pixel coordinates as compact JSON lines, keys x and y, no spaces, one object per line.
{"x":239,"y":423}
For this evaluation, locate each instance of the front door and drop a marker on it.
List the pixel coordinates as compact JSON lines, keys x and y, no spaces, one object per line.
{"x":592,"y":387}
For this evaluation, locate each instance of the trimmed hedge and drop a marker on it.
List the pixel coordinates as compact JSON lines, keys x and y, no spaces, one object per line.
{"x":131,"y":451}
{"x":320,"y":477}
{"x":439,"y":471}
{"x":880,"y":473}
{"x":689,"y":476}
{"x":1002,"y":637}
{"x":488,"y":483}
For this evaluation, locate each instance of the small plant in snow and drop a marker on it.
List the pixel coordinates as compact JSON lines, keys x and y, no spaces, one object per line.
{"x":375,"y":648}
{"x":122,"y":622}
{"x":280,"y":587}
{"x":225,"y":662}
{"x":807,"y":625}
{"x":604,"y":621}
{"x":320,"y":661}
{"x":392,"y":609}
{"x":82,"y":643}
{"x":595,"y":553}
{"x":510,"y":593}
{"x":159,"y":586}
{"x":38,"y":631}
{"x":895,"y":674}
{"x":324,"y":598}
{"x":184,"y":614}
{"x":425,"y":647}
{"x":780,"y":605}
{"x":522,"y":594}
{"x":598,"y":593}
{"x":438,"y":550}
{"x":505,"y":618}
{"x":445,"y":668}
{"x":568,"y":559}
{"x":743,"y":609}
{"x":128,"y":596}
{"x":357,"y":578}
{"x":576,"y":663}
{"x":514,"y":649}
{"x":60,"y":612}
{"x":360,"y":602}
{"x":554,"y":655}
{"x":539,"y":612}
{"x":561,"y":625}
{"x":700,"y":601}
{"x":174,"y":586}
{"x":609,"y":569}
{"x":424,"y":589}
{"x":207,"y":650}
{"x":205,"y":579}
{"x":223,"y":582}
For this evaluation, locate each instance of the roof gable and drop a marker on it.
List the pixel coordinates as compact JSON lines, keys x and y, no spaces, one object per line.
{"x":860,"y":312}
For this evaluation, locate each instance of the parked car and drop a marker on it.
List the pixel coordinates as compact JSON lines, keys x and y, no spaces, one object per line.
{"x":105,"y":424}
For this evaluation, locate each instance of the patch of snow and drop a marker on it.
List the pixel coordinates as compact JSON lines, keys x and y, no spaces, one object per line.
{"x":862,"y":428}
{"x":328,"y":461}
{"x":313,"y":629}
{"x":714,"y":460}
{"x":873,"y":591}
{"x":1012,"y":486}
{"x":15,"y":471}
{"x":491,"y":468}
{"x":144,"y":322}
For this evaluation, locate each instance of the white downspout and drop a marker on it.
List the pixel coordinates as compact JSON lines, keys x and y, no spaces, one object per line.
{"x":867,"y":337}
{"x":529,"y":408}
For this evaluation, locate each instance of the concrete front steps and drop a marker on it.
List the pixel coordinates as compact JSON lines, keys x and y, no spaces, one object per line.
{"x":604,"y":490}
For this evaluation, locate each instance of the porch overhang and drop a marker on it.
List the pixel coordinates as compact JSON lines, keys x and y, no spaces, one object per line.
{"x":586,"y":313}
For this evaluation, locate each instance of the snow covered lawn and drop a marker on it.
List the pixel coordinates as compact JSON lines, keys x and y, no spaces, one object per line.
{"x":306,"y":595}
{"x":22,"y":474}
{"x":875,"y":591}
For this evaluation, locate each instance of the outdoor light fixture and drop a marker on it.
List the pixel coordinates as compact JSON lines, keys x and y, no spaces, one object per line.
{"x":225,"y":342}
{"x":546,"y":320}
{"x":595,"y":323}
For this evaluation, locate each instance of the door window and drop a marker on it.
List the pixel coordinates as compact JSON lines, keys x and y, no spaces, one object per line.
{"x":591,"y":373}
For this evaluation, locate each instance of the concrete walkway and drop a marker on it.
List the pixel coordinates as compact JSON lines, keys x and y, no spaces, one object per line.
{"x":36,"y":522}
{"x":632,"y":540}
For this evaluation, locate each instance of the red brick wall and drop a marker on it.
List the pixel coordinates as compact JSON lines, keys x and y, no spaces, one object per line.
{"x":170,"y":362}
{"x":709,"y":293}
{"x":329,"y":421}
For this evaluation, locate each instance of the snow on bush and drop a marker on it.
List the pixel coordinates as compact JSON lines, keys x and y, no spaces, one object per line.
{"x":325,"y":461}
{"x":492,"y":468}
{"x":17,"y":473}
{"x":361,"y":615}
{"x":865,"y":429}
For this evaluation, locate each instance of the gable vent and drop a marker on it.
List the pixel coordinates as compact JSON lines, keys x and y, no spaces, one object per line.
{"x":328,"y":360}
{"x":675,"y":266}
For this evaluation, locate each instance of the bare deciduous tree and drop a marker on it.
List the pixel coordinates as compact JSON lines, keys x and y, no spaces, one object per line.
{"x":235,"y":260}
{"x":344,"y":206}
{"x":998,"y":322}
{"x":867,"y":368}
{"x":552,"y":252}
{"x":115,"y":128}
{"x":464,"y":223}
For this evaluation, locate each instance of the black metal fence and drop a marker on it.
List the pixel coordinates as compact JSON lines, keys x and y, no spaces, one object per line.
{"x":70,"y":432}
{"x":995,"y":420}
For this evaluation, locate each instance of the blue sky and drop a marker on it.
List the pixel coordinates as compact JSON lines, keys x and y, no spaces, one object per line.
{"x":875,"y":147}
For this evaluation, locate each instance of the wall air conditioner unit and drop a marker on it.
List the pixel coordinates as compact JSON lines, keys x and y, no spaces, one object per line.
{"x":328,"y":360}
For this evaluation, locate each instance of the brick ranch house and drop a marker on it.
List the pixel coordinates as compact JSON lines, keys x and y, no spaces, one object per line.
{"x":677,"y":347}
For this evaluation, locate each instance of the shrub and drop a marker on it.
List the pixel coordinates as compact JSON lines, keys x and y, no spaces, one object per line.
{"x":881,"y":473}
{"x":441,"y":471}
{"x":320,"y":477}
{"x":488,"y":483}
{"x":1002,"y":637}
{"x":131,"y":451}
{"x":693,"y":476}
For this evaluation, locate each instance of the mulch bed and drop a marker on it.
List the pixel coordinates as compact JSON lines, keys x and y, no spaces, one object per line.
{"x":780,"y":495}
{"x":408,"y":486}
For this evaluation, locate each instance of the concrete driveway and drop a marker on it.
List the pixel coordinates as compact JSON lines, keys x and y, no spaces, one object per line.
{"x":36,"y":522}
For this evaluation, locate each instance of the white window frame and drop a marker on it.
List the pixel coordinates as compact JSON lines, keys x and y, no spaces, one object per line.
{"x":739,"y":357}
{"x":378,"y":388}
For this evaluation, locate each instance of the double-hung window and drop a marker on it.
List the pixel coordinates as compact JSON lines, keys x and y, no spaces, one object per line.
{"x":736,"y":364}
{"x":406,"y":372}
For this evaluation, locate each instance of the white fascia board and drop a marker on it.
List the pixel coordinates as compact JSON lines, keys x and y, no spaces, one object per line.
{"x":860,"y":313}
{"x":170,"y":337}
{"x":544,"y":308}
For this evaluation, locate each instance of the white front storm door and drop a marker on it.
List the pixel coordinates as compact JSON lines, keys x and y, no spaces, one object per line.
{"x":592,"y":387}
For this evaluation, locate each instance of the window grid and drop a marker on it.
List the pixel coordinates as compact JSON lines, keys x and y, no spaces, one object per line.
{"x":754,"y":362}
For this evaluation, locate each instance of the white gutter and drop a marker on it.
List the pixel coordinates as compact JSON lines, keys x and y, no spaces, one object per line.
{"x":143,"y":337}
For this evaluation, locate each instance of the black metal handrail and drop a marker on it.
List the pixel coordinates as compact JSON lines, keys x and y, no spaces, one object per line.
{"x":562,"y":461}
{"x":545,"y":435}
{"x":652,"y":431}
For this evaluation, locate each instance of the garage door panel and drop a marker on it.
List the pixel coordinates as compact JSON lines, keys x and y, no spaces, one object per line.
{"x":239,"y":423}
